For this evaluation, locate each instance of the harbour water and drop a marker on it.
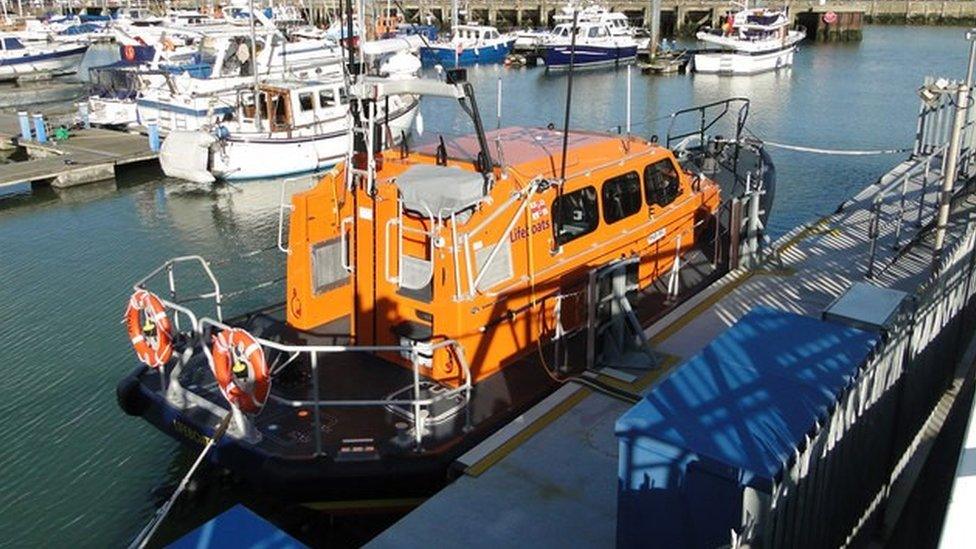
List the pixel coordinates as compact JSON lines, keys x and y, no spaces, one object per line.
{"x":77,"y":470}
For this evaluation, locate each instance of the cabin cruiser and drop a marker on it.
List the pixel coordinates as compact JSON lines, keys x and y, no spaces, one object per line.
{"x":297,"y":126}
{"x":431,"y":296}
{"x":595,"y":45}
{"x":469,"y":44}
{"x":184,"y":88}
{"x":18,"y":58}
{"x":616,"y":23}
{"x":749,"y":41}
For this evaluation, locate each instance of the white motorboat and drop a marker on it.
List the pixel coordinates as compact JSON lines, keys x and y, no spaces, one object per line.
{"x":18,"y":58}
{"x":749,"y":41}
{"x":292,"y":127}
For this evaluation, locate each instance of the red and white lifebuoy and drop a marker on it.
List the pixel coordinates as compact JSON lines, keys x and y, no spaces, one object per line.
{"x":241,"y":369}
{"x":830,"y":18}
{"x":129,"y":53}
{"x":149,"y":328}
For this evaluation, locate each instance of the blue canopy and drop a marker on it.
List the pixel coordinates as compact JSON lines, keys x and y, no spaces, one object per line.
{"x":731,"y":416}
{"x":750,"y":396}
{"x":237,"y":527}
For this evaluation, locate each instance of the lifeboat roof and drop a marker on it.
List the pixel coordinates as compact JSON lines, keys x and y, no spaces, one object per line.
{"x":525,"y":147}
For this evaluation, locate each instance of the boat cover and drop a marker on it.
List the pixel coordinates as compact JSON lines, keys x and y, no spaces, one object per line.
{"x":439,"y":190}
{"x":731,"y":417}
{"x":237,"y":527}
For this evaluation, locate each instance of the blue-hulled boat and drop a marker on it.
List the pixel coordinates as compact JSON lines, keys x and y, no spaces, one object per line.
{"x":596,"y":45}
{"x":469,"y":44}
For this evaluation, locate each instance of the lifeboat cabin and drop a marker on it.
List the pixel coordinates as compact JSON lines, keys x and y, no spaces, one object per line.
{"x":424,"y":289}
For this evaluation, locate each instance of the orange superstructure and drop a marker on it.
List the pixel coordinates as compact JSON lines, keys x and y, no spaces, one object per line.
{"x":436,"y":249}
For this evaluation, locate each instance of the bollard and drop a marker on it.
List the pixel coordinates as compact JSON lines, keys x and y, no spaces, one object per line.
{"x":25,"y":129}
{"x":39,"y":129}
{"x":83,"y":113}
{"x":154,"y":136}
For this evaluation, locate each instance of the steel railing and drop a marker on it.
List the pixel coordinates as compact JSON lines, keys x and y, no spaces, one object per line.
{"x":201,"y":328}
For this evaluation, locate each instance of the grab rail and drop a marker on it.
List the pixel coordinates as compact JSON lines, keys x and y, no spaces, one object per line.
{"x":923,"y":165}
{"x":417,"y":403}
{"x":171,"y":279}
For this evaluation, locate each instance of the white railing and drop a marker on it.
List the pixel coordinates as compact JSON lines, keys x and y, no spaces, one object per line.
{"x":417,"y":403}
{"x":200,"y":329}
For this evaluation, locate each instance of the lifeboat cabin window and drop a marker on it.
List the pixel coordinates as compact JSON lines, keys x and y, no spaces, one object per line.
{"x":576,"y":214}
{"x":621,"y":197}
{"x":661,"y":183}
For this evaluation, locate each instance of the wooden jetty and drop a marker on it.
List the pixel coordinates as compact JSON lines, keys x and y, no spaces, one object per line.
{"x":87,"y":156}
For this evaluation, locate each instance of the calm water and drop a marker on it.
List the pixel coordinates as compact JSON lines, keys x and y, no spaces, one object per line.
{"x":75,"y":470}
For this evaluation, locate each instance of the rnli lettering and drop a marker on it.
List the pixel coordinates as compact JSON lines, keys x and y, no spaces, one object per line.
{"x":519,"y":233}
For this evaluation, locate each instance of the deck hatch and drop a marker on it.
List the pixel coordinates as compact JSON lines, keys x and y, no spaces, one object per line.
{"x":327,"y":269}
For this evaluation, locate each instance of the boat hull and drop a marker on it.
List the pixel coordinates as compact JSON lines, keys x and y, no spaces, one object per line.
{"x":736,"y":63}
{"x":448,"y":56}
{"x":558,"y":57}
{"x":241,"y":157}
{"x":63,"y":61}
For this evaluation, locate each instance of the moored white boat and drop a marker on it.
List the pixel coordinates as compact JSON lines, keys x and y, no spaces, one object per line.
{"x":749,"y":42}
{"x":298,"y":127}
{"x":18,"y":58}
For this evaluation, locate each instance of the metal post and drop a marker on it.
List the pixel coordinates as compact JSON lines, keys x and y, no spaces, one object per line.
{"x":25,"y":129}
{"x":873,"y":236}
{"x":83,"y":113}
{"x":949,"y":175}
{"x":629,"y":93}
{"x":655,"y":26}
{"x":901,"y":211}
{"x":39,"y":130}
{"x":925,"y":188}
{"x":498,"y":110}
{"x":315,"y":412}
{"x":153,"y":136}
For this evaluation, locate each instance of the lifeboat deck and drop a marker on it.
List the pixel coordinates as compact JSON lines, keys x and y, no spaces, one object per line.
{"x":550,"y":478}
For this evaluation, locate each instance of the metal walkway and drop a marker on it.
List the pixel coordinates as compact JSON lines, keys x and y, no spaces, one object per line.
{"x":558,"y":487}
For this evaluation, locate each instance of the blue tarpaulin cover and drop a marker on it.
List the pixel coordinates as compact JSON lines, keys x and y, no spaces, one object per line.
{"x":730,"y":417}
{"x":238,"y":527}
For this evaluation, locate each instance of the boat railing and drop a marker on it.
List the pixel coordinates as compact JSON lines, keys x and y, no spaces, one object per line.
{"x":418,"y":403}
{"x":171,"y":301}
{"x":900,"y":185}
{"x":707,"y":120}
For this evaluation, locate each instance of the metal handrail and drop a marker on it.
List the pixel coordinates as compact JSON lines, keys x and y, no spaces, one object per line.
{"x":922,"y":165}
{"x":704,"y":125}
{"x":171,"y":279}
{"x":313,"y":350}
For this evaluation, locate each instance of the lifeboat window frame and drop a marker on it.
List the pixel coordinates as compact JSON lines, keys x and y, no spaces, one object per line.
{"x":664,"y":196}
{"x":609,"y":215}
{"x":557,"y":208}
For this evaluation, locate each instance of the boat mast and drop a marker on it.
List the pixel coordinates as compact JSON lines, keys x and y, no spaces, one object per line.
{"x":254,"y":67}
{"x":569,"y":94}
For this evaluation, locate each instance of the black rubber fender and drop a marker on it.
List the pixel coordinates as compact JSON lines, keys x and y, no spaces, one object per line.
{"x":129,"y":394}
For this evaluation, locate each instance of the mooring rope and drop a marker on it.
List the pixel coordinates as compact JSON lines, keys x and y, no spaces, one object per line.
{"x":837,"y":152}
{"x":146,"y":534}
{"x":815,"y":150}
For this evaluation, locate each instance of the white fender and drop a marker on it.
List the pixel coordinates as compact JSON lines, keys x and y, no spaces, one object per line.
{"x":186,"y":155}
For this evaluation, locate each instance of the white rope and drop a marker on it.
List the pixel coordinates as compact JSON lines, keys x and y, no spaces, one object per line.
{"x":838,"y":152}
{"x":144,"y":536}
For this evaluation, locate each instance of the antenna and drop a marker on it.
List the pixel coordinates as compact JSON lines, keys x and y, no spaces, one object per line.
{"x":569,"y":93}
